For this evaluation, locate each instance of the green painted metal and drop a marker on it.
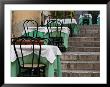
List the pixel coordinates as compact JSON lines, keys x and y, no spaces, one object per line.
{"x":81,"y":21}
{"x":50,"y":67}
{"x":42,"y":34}
{"x":98,"y":21}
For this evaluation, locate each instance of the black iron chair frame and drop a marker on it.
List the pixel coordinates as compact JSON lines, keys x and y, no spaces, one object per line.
{"x":58,"y":39}
{"x":37,"y":70}
{"x":25,"y":25}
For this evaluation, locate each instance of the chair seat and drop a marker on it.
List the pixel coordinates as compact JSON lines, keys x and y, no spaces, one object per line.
{"x":34,"y":65}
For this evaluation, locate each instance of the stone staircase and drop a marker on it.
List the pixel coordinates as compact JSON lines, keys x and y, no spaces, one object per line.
{"x":82,"y":58}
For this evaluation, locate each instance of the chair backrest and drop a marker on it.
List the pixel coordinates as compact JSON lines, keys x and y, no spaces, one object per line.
{"x":21,"y":48}
{"x":57,"y":28}
{"x":86,"y":21}
{"x":53,"y":23}
{"x":30,"y":23}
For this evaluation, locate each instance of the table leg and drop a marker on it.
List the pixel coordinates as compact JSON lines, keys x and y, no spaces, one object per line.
{"x":50,"y":70}
{"x":59,"y":69}
{"x":14,"y":69}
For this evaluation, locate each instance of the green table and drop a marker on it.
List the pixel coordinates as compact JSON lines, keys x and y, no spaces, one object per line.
{"x":34,"y":33}
{"x":72,"y":26}
{"x":50,"y":69}
{"x":42,"y":34}
{"x":74,"y":30}
{"x":82,"y":18}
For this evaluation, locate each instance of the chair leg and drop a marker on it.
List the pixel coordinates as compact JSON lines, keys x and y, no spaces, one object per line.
{"x":38,"y":72}
{"x":44,"y":72}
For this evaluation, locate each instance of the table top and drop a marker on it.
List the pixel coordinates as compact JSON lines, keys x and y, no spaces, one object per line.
{"x":65,"y":21}
{"x":48,"y":51}
{"x":68,"y":21}
{"x":45,"y":30}
{"x":81,"y":16}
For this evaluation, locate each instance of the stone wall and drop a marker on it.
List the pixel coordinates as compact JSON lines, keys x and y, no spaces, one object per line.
{"x":18,"y":17}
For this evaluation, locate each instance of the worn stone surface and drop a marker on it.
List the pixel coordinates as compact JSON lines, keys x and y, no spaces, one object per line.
{"x":85,"y":43}
{"x":83,"y":49}
{"x":80,"y":66}
{"x":82,"y":58}
{"x":70,"y":74}
{"x":89,"y":27}
{"x":83,"y":39}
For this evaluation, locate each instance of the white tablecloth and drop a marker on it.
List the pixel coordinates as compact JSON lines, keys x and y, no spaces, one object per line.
{"x":45,"y":30}
{"x":69,"y":21}
{"x":85,"y":14}
{"x":47,"y":51}
{"x":65,"y":21}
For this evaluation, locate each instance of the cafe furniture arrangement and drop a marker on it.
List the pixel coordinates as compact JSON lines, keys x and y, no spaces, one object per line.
{"x":72,"y":25}
{"x":28,"y":56}
{"x":27,"y":69}
{"x":68,"y":22}
{"x":37,"y":53}
{"x":58,"y":34}
{"x":85,"y":19}
{"x":49,"y":53}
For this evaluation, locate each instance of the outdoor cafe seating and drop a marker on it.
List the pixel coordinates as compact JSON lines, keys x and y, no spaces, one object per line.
{"x":68,"y":22}
{"x":48,"y":54}
{"x":47,"y":31}
{"x":85,"y":19}
{"x":55,"y":34}
{"x":52,"y":39}
{"x":27,"y":69}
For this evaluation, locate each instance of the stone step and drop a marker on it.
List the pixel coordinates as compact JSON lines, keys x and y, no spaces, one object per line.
{"x":85,"y":43}
{"x":84,"y":39}
{"x":89,"y":27}
{"x":80,"y":73}
{"x":80,"y":56}
{"x":80,"y":65}
{"x":83,"y":49}
{"x":89,"y":35}
{"x":86,"y":31}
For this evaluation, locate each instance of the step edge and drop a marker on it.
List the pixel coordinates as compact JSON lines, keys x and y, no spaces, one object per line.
{"x":81,"y":53}
{"x":80,"y":71}
{"x":89,"y":62}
